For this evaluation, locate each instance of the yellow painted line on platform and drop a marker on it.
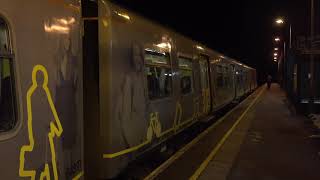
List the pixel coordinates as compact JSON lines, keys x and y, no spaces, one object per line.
{"x":179,"y":153}
{"x":205,"y":163}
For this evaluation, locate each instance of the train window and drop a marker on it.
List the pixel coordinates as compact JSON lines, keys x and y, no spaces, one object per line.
{"x":204,"y":73}
{"x":7,"y":100}
{"x":157,"y":58}
{"x":159,"y":74}
{"x":186,"y":75}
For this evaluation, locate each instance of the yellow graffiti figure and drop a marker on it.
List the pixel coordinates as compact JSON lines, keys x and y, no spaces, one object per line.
{"x":55,"y":129}
{"x":154,"y":126}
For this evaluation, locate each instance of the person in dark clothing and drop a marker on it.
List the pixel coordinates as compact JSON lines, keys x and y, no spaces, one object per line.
{"x":269,"y":81}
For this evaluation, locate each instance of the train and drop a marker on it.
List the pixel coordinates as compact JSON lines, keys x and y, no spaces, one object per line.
{"x":86,"y":87}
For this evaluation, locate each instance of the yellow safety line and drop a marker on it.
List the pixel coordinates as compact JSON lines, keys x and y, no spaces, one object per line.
{"x":109,"y":156}
{"x":78,"y":176}
{"x":205,"y":163}
{"x":55,"y":129}
{"x":178,"y":154}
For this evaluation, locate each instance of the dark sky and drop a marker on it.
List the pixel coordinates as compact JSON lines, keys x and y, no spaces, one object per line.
{"x":241,"y":29}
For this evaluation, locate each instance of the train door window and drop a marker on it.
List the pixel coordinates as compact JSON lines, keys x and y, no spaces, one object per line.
{"x":204,"y":72}
{"x":186,"y":75}
{"x":7,"y":100}
{"x":159,"y":74}
{"x":219,"y":76}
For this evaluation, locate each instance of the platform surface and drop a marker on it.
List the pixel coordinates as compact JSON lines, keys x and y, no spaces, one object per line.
{"x":270,"y":143}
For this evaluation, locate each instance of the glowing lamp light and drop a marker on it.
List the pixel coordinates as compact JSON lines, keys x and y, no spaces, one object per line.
{"x":275,"y":54}
{"x":277,"y":39}
{"x":276,"y":49}
{"x":279,"y":21}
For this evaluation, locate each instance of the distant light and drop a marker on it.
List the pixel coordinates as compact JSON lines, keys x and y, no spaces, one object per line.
{"x":275,"y":60}
{"x":126,"y":16}
{"x":237,"y":73}
{"x":200,"y":48}
{"x":276,"y":49}
{"x":275,"y":54}
{"x":279,"y":21}
{"x":277,"y":39}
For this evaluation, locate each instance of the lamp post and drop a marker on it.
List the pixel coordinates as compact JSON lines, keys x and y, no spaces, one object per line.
{"x":311,"y":100}
{"x":281,"y":22}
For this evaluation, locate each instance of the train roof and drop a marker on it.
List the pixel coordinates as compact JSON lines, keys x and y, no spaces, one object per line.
{"x":130,"y":13}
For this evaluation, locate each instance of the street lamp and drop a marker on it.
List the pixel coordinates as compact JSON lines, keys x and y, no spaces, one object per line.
{"x":275,"y":54}
{"x":277,"y":39}
{"x":276,"y":49}
{"x":280,"y":21}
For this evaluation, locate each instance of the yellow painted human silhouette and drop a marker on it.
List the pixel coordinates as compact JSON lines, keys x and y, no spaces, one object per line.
{"x":55,"y":130}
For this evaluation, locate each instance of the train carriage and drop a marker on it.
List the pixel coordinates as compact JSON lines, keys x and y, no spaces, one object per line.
{"x":86,"y":87}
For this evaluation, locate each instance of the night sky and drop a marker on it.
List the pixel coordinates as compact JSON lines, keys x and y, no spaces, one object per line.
{"x":243,"y":30}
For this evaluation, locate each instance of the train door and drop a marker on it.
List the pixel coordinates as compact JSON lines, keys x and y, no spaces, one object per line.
{"x":234,"y":82}
{"x":91,"y":110}
{"x":238,"y":80}
{"x":187,"y":88}
{"x":205,"y":100}
{"x":213,"y":86}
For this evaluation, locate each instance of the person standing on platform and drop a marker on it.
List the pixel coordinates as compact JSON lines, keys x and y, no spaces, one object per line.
{"x":269,"y":81}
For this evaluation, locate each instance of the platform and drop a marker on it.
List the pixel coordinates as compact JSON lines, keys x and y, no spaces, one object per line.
{"x":260,"y":139}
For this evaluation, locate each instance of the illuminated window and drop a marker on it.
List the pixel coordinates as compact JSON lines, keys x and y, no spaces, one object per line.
{"x":7,"y":100}
{"x":159,"y":74}
{"x":186,"y":75}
